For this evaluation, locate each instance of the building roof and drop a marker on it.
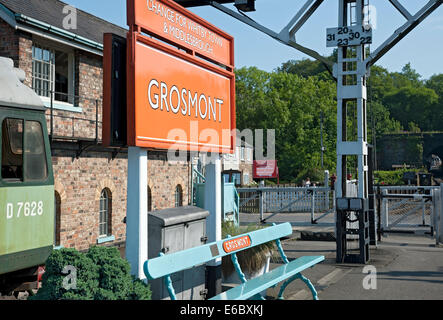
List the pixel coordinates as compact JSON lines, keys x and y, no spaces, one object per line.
{"x":51,"y":12}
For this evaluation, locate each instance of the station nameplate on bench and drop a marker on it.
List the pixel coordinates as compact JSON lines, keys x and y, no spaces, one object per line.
{"x":236,"y":244}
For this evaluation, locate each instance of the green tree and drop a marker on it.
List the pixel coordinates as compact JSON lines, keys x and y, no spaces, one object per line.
{"x":307,"y":68}
{"x":291,"y":105}
{"x":413,"y":104}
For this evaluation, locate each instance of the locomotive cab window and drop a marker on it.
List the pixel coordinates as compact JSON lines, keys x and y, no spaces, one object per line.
{"x":36,"y":168}
{"x":12,"y":150}
{"x":23,"y":164}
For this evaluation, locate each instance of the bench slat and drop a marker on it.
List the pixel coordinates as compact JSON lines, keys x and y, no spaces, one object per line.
{"x":257,"y":285}
{"x":182,"y":260}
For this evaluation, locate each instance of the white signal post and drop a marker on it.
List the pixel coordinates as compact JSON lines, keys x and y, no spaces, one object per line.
{"x":137,"y":211}
{"x":351,"y":73}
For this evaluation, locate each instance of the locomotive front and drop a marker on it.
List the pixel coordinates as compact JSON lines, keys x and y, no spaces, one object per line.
{"x":26,"y":180}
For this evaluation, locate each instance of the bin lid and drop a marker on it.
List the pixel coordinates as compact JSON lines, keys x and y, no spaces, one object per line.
{"x":179,"y":215}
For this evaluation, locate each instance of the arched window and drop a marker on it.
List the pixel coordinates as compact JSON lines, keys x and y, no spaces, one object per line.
{"x":149,"y":199}
{"x":57,"y":220}
{"x":105,"y":213}
{"x":178,"y":196}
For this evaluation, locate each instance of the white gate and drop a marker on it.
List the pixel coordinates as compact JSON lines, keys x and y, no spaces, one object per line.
{"x":318,"y":201}
{"x":408,"y":209}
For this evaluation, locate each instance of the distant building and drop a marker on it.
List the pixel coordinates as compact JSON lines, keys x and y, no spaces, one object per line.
{"x":238,"y":167}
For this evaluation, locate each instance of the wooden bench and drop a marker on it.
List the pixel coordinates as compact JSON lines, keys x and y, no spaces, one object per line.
{"x":165,"y":265}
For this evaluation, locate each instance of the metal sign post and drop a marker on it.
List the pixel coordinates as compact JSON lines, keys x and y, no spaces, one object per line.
{"x":137,"y":210}
{"x":213,"y":203}
{"x":180,"y":95}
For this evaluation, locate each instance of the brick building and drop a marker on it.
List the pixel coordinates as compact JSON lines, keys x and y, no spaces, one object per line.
{"x":64,"y":67}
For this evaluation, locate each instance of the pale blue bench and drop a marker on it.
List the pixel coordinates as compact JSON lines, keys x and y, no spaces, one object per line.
{"x":165,"y":265}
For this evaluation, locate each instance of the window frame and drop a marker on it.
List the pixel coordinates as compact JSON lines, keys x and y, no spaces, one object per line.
{"x":25,"y":158}
{"x":53,"y":47}
{"x":108,"y":211}
{"x":27,"y":116}
{"x":178,"y":195}
{"x":12,"y":181}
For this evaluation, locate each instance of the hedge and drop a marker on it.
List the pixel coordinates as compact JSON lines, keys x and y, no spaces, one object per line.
{"x":101,"y":274}
{"x":392,"y":178}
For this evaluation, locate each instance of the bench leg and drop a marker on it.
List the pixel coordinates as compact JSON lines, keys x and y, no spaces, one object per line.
{"x":310,"y":286}
{"x":171,"y":291}
{"x":304,"y":279}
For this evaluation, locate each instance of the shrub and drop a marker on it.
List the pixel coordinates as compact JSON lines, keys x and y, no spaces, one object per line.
{"x":392,"y":178}
{"x":101,"y":274}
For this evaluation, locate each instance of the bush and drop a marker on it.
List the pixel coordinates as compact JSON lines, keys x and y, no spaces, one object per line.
{"x":101,"y":274}
{"x":392,"y":178}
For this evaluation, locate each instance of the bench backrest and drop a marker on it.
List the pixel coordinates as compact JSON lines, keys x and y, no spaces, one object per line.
{"x":182,"y":260}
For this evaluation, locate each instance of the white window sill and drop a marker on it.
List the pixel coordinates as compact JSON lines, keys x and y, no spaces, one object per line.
{"x":105,"y":239}
{"x":59,"y":105}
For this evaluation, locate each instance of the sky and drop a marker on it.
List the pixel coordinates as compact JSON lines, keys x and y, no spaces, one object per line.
{"x":423,"y":47}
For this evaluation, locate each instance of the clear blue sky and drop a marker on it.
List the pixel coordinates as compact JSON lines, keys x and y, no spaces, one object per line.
{"x":423,"y":47}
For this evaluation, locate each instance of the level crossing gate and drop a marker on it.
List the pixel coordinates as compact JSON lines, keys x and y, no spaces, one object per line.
{"x":408,"y":209}
{"x":318,"y":202}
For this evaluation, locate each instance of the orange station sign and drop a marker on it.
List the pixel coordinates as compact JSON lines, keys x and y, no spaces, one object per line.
{"x":181,"y":85}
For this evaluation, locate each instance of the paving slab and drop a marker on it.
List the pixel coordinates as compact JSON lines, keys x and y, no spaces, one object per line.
{"x":408,"y":267}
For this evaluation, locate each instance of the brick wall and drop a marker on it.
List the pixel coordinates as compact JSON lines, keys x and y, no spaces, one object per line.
{"x":9,"y":42}
{"x":25,"y":56}
{"x":164,"y":177}
{"x":79,"y":182}
{"x":89,"y":88}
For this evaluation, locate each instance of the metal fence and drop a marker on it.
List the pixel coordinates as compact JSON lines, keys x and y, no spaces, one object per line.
{"x":286,"y":199}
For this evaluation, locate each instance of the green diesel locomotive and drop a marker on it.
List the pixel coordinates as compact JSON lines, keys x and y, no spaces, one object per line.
{"x":26,"y":180}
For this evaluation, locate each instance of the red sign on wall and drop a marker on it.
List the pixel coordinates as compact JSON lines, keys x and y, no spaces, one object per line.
{"x":265,"y":169}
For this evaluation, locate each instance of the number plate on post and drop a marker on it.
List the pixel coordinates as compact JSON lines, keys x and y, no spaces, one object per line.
{"x":348,"y":36}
